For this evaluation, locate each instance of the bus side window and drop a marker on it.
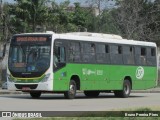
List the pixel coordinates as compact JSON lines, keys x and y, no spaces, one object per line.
{"x":119,"y":49}
{"x":153,"y":52}
{"x":61,"y":54}
{"x":143,"y":56}
{"x":88,"y":52}
{"x":128,"y":55}
{"x":131,"y":55}
{"x":116,"y":54}
{"x":151,"y":56}
{"x":102,"y":53}
{"x":107,"y":49}
{"x":59,"y":57}
{"x":74,"y":54}
{"x":93,"y":49}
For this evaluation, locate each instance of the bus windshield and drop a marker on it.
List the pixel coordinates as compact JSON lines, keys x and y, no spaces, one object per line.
{"x":28,"y":58}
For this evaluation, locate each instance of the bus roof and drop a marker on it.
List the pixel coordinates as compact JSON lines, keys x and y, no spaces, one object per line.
{"x":95,"y":37}
{"x":100,"y":37}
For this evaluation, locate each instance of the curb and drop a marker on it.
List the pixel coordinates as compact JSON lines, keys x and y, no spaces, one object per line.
{"x":10,"y":92}
{"x":154,"y":90}
{"x":142,"y":91}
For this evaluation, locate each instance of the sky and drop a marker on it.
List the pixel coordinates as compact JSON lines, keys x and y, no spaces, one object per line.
{"x":10,"y":1}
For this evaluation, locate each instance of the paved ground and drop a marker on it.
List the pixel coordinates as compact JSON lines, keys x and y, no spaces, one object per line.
{"x":17,"y":101}
{"x":153,"y":90}
{"x":57,"y":102}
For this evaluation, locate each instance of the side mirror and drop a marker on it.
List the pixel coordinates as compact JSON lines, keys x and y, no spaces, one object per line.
{"x":3,"y":52}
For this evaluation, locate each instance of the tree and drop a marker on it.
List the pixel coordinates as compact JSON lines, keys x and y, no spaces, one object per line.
{"x":97,"y":3}
{"x":29,"y":14}
{"x":107,"y":23}
{"x":137,"y":19}
{"x":4,"y":21}
{"x":79,"y":17}
{"x":60,"y":20}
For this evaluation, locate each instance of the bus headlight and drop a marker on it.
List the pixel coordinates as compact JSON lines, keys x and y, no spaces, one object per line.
{"x":45,"y":79}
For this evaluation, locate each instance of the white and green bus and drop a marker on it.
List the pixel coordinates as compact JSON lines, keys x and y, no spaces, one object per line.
{"x":90,"y":62}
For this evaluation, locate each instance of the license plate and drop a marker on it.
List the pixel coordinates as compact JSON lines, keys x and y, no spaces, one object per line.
{"x":25,"y":88}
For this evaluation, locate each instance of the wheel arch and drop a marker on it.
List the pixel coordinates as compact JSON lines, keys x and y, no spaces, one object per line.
{"x":77,"y":80}
{"x":129,"y":79}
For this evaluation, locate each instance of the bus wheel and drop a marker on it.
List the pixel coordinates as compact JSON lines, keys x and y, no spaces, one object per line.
{"x":71,"y":93}
{"x":91,"y":93}
{"x":35,"y":94}
{"x":126,"y":90}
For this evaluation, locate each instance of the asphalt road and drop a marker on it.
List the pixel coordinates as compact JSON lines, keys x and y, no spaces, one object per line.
{"x":57,"y":102}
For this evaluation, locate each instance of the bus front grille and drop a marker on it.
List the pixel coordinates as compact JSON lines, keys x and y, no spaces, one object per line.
{"x":21,"y":86}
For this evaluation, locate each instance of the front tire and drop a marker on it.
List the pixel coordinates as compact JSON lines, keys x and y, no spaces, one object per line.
{"x":126,"y":90}
{"x":71,"y":93}
{"x":35,"y":94}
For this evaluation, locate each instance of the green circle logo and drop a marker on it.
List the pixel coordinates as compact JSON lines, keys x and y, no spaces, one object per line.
{"x":139,"y":72}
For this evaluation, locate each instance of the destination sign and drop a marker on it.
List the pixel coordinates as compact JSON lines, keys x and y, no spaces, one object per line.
{"x":31,"y":39}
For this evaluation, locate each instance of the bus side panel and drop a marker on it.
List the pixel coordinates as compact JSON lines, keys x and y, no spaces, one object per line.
{"x":61,"y":80}
{"x":145,"y":79}
{"x":86,"y":74}
{"x":150,"y":77}
{"x":119,"y":73}
{"x":103,"y":77}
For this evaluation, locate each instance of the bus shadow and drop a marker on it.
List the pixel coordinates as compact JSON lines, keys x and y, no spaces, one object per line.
{"x":61,"y":97}
{"x":108,"y":97}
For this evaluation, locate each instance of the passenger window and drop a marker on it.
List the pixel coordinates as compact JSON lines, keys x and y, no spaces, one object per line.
{"x":116,"y":54}
{"x":74,"y":52}
{"x":102,"y":53}
{"x":107,"y":48}
{"x":151,"y":56}
{"x":128,"y":55}
{"x":88,"y":52}
{"x":153,"y":52}
{"x":119,"y":49}
{"x":143,"y":56}
{"x":143,"y":51}
{"x":100,"y":48}
{"x":93,"y":48}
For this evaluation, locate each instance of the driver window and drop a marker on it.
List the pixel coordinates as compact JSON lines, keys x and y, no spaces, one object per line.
{"x":62,"y":55}
{"x":59,"y":56}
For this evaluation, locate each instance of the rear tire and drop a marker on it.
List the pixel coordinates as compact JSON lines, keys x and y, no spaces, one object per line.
{"x":35,"y":94}
{"x":71,"y":93}
{"x":91,"y":93}
{"x":126,"y":90}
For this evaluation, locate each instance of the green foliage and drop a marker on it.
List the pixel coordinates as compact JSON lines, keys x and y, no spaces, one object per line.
{"x":108,"y":23}
{"x":131,"y":19}
{"x":27,"y":14}
{"x":138,"y":19}
{"x":79,"y":15}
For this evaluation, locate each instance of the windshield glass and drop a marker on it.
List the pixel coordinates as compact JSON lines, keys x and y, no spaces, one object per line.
{"x":28,"y":58}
